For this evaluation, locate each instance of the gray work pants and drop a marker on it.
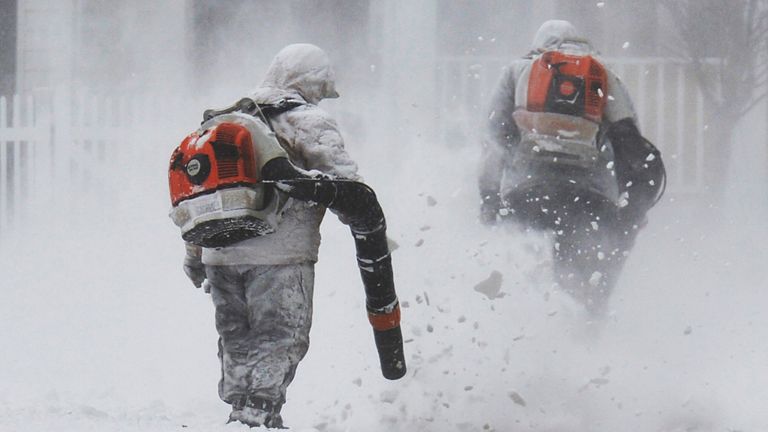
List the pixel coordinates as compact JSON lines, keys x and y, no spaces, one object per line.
{"x":263,"y":317}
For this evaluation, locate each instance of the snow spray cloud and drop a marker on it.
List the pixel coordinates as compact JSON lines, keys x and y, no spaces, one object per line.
{"x":100,"y":317}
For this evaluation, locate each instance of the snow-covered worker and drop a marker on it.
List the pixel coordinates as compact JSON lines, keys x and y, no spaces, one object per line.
{"x":563,"y":153}
{"x":262,"y":287}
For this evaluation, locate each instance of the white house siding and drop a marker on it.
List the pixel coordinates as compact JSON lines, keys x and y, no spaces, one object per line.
{"x":101,"y":45}
{"x":44,"y":43}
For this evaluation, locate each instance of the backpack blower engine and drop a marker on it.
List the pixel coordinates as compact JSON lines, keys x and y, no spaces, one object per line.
{"x":230,"y":181}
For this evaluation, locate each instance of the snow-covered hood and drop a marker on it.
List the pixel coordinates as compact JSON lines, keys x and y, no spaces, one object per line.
{"x":559,"y":34}
{"x":304,"y":69}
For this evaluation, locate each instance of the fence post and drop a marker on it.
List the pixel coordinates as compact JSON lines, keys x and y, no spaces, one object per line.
{"x":43,"y":166}
{"x":3,"y":166}
{"x":61,"y":144}
{"x":15,"y":171}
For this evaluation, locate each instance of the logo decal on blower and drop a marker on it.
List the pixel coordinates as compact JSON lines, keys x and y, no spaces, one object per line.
{"x":198,"y":168}
{"x":193,"y":167}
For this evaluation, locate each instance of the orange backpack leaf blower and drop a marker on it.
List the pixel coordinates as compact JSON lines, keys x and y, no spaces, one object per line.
{"x":230,"y":180}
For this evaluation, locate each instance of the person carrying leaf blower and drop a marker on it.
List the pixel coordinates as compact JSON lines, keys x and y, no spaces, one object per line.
{"x":563,"y":154}
{"x":249,"y":190}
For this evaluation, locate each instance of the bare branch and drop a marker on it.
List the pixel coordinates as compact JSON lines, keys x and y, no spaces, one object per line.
{"x":759,"y":84}
{"x":736,"y":34}
{"x":706,"y":87}
{"x":751,"y":13}
{"x":760,"y":23}
{"x":757,"y":40}
{"x":754,"y":102}
{"x":761,"y":70}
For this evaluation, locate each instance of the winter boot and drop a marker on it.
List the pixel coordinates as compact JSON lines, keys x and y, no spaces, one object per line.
{"x":257,"y":412}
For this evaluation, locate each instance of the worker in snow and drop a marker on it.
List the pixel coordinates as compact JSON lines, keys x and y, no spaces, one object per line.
{"x":563,"y":154}
{"x":262,"y":287}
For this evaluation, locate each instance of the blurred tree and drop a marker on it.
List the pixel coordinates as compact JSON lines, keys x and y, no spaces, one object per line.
{"x":608,"y":25}
{"x":8,"y":17}
{"x":727,"y":43}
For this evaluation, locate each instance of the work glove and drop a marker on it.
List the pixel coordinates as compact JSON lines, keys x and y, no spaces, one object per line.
{"x":489,"y":207}
{"x":193,"y":264}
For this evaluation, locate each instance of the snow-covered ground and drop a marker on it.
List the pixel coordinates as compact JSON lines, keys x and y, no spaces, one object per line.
{"x":101,"y":331}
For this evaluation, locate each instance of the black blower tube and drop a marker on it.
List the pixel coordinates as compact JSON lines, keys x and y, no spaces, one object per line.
{"x":356,"y":204}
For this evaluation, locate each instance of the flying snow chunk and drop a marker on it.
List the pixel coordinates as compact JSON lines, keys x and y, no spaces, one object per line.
{"x":595,"y":279}
{"x":491,"y":287}
{"x":598,"y":382}
{"x":609,"y":165}
{"x":626,"y":45}
{"x":600,"y":4}
{"x":388,"y":396}
{"x":516,"y":398}
{"x":650,"y":157}
{"x":624,"y":199}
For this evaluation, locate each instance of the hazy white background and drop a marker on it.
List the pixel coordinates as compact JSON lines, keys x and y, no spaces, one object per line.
{"x":101,"y":330}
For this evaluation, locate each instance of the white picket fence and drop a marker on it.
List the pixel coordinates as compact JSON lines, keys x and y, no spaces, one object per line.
{"x":669,"y":105}
{"x":21,"y":140}
{"x":69,"y":143}
{"x":61,"y":147}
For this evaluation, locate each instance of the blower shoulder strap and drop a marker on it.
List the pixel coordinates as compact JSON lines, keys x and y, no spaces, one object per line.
{"x":263,"y":111}
{"x":246,"y":105}
{"x":283,"y":105}
{"x":249,"y":106}
{"x":268,"y":111}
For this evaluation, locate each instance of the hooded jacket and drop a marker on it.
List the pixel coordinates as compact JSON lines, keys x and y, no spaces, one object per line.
{"x":299,"y":73}
{"x":502,"y":137}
